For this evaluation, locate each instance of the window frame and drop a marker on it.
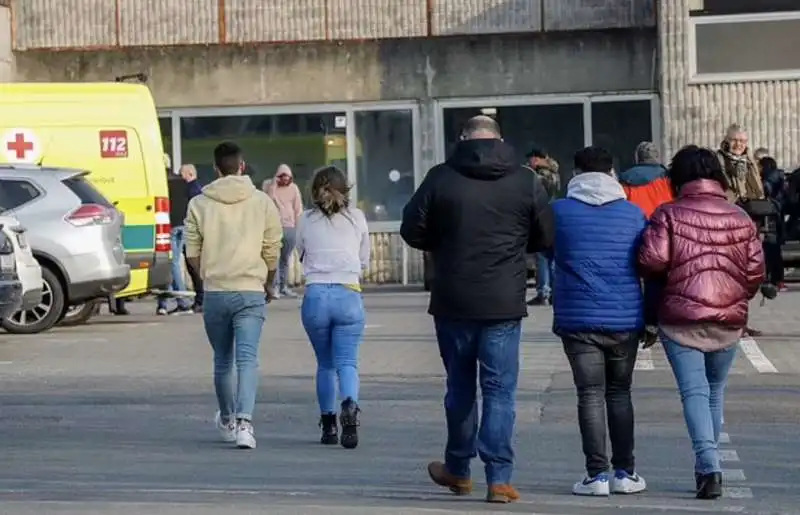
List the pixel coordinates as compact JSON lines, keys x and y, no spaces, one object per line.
{"x":39,"y":190}
{"x":696,"y":78}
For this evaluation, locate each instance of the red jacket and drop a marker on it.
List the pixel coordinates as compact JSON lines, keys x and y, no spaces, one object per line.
{"x":647,"y":186}
{"x":710,"y":254}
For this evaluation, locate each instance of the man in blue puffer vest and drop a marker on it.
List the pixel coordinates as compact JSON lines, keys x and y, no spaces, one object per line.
{"x":598,"y":311}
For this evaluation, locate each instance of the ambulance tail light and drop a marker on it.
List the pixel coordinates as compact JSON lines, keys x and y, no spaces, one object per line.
{"x":162,"y":225}
{"x":91,"y":214}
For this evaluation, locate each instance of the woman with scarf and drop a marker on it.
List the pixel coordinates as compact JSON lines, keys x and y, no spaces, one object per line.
{"x":741,"y":173}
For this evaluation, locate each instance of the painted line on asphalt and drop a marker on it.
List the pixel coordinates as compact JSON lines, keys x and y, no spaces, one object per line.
{"x":734,"y":475}
{"x":373,"y":326}
{"x":737,"y":492}
{"x":644,"y":361}
{"x":728,"y":455}
{"x":6,"y":362}
{"x":756,"y":356}
{"x":724,"y":438}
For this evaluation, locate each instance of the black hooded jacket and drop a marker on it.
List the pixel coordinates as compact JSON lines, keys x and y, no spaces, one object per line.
{"x":478,"y":214}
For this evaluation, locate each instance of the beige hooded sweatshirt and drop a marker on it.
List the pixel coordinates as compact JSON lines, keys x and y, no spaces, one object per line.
{"x":236,"y":231}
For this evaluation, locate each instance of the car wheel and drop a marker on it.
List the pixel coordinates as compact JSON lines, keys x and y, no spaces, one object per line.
{"x":42,"y":316}
{"x":80,"y":314}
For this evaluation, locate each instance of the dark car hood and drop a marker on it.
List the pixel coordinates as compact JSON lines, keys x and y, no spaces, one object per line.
{"x":484,"y":159}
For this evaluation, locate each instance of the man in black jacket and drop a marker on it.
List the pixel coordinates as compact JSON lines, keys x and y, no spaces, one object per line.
{"x":478,"y":214}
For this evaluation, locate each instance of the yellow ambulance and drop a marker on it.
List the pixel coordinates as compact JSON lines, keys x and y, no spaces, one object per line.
{"x":111,"y":130}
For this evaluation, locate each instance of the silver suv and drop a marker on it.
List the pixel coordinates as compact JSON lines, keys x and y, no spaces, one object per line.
{"x":75,"y":234}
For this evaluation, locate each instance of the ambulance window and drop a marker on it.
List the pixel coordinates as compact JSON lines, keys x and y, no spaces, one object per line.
{"x":15,"y":193}
{"x":85,"y":191}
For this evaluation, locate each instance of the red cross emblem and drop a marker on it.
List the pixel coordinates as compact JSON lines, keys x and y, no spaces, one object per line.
{"x":19,"y":145}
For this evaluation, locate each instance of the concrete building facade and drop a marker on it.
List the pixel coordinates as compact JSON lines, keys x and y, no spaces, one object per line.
{"x":381,"y":87}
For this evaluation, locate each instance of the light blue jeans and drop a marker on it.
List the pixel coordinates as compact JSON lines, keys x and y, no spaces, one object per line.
{"x":177,"y":240}
{"x":333,"y":317}
{"x":701,"y":378}
{"x":233,"y":322}
{"x":545,"y":270}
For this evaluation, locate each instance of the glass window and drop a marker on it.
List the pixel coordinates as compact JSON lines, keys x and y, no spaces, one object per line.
{"x":385,"y":162}
{"x":558,"y":129}
{"x":15,"y":193}
{"x":311,"y":141}
{"x":748,"y":46}
{"x":619,"y":127}
{"x":165,"y":124}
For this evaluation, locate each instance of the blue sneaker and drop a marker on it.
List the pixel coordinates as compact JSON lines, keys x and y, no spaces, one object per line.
{"x":625,"y":483}
{"x":593,"y":486}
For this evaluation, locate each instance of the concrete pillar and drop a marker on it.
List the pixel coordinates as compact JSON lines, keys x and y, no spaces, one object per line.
{"x":6,"y":54}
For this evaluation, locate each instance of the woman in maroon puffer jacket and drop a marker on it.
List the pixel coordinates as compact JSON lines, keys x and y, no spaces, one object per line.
{"x":707,"y":254}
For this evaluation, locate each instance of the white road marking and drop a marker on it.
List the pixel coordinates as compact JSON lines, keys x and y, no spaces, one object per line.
{"x":644,"y":361}
{"x":737,"y":492}
{"x":724,"y":438}
{"x":372,"y":326}
{"x":734,"y":475}
{"x":728,"y":455}
{"x":756,"y":356}
{"x":6,"y":362}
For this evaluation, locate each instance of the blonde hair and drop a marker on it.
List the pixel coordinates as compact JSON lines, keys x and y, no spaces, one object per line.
{"x":330,"y":191}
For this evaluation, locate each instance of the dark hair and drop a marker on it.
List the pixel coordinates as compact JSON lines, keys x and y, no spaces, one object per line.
{"x":768,"y":164}
{"x":537,"y":152}
{"x":692,"y":163}
{"x":228,"y":158}
{"x":329,"y":191}
{"x":593,"y":159}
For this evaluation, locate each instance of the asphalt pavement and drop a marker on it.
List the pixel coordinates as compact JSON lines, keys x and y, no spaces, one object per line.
{"x":115,"y":417}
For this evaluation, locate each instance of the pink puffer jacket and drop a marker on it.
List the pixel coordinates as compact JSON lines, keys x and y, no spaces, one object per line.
{"x":710,"y":254}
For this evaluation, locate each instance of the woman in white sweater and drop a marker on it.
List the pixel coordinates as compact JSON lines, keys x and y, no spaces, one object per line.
{"x":334,"y":246}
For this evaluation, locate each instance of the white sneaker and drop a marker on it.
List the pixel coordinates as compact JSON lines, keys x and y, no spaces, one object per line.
{"x":594,"y":486}
{"x":245,"y":437}
{"x":624,"y":483}
{"x":226,"y":431}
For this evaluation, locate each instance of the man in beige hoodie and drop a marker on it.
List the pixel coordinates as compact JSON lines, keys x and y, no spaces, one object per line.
{"x":233,"y":237}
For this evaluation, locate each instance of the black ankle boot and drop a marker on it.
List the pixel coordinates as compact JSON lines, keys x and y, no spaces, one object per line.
{"x":709,"y":486}
{"x":349,"y":420}
{"x":330,"y":432}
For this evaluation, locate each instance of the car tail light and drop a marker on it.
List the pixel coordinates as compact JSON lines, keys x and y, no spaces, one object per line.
{"x":162,"y":225}
{"x":91,"y":214}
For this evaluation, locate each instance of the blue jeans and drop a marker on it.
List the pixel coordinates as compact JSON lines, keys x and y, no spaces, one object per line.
{"x":545,"y":270}
{"x":233,"y":322}
{"x":333,"y":317}
{"x":701,"y":378}
{"x":493,"y":347}
{"x":177,"y":239}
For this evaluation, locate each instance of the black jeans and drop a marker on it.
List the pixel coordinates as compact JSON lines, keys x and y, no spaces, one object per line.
{"x":774,"y":262}
{"x":603,"y":376}
{"x":197,"y":282}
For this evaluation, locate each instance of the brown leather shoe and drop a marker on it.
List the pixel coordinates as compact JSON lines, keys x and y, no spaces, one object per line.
{"x":502,"y":494}
{"x":442,"y":477}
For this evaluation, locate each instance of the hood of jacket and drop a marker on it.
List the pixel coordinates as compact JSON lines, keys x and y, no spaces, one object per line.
{"x":484,"y":159}
{"x":642,"y":174}
{"x":231,"y":189}
{"x":595,"y":188}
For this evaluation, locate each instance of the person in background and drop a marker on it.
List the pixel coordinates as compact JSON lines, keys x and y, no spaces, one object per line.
{"x":233,"y":237}
{"x":599,"y":315}
{"x":740,"y":170}
{"x":334,"y":245}
{"x":774,"y":181}
{"x":646,"y":183}
{"x":477,"y":214}
{"x":708,"y":253}
{"x":547,"y":170}
{"x":180,"y":187}
{"x":195,"y":189}
{"x":759,"y":154}
{"x":287,"y":197}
